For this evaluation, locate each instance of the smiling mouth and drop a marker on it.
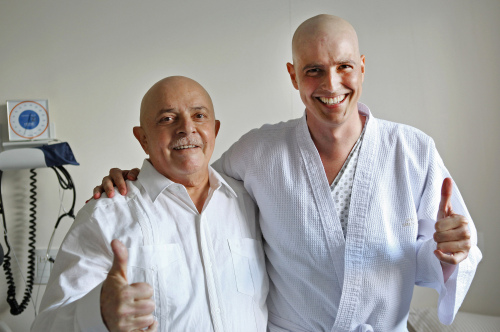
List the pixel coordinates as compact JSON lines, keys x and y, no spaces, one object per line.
{"x":182,"y":147}
{"x":332,"y":101}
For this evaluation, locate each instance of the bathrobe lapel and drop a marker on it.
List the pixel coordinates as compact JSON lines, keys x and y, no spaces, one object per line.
{"x":346,"y":254}
{"x":318,"y":183}
{"x":356,"y":232}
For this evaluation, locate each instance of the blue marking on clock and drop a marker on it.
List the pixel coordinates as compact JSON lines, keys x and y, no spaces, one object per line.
{"x":29,"y":119}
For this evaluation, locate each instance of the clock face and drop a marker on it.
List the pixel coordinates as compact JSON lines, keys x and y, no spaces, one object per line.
{"x":28,"y":120}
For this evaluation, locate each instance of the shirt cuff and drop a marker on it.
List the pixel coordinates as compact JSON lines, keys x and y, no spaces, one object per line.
{"x":88,"y":312}
{"x":448,"y":270}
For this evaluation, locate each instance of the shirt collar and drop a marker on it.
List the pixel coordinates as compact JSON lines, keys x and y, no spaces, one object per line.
{"x":155,"y":183}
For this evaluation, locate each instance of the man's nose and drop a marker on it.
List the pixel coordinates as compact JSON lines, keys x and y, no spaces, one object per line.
{"x":331,"y":81}
{"x":186,"y":125}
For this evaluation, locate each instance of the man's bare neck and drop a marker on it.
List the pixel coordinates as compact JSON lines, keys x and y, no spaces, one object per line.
{"x":331,"y":141}
{"x":335,"y":144}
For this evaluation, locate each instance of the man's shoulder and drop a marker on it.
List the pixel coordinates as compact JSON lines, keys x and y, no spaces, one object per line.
{"x":265,"y":140}
{"x":254,"y":148}
{"x":117,"y":201}
{"x":114,"y":215}
{"x":390,"y":131}
{"x":271,"y":130}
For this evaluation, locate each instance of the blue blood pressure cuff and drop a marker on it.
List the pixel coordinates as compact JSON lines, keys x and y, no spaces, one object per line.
{"x":58,"y":154}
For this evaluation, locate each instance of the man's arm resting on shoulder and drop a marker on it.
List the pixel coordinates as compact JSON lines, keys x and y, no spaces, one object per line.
{"x":116,"y":178}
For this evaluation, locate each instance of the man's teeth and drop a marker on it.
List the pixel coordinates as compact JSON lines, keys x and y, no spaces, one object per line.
{"x":332,"y":101}
{"x":182,"y":147}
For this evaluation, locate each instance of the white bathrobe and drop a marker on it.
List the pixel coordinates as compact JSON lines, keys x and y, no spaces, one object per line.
{"x":321,"y":282}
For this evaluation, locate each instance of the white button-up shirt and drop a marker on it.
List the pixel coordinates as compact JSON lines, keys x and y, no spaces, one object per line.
{"x":207,"y":270}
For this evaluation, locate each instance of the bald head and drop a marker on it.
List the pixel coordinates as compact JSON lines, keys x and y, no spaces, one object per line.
{"x":178,"y":129}
{"x":321,"y":27}
{"x":171,"y":87}
{"x":328,"y":71}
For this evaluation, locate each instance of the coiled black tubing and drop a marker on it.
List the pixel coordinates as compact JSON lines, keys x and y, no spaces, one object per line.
{"x":15,"y":307}
{"x":66,"y":182}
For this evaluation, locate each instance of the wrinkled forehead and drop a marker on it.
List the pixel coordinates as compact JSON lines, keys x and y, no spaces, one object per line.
{"x":175,"y":95}
{"x":181,"y":96}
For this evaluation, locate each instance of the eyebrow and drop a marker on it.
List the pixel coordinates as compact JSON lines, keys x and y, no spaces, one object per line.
{"x":199,"y":108}
{"x":169,"y":110}
{"x":164,"y":110}
{"x":338,"y":62}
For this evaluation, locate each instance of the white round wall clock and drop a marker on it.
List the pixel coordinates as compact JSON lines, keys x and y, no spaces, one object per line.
{"x":28,"y":120}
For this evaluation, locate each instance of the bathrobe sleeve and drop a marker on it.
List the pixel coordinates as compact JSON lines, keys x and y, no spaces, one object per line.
{"x":429,"y":272}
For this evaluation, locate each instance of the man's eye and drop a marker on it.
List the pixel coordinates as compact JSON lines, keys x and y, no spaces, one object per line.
{"x":200,"y":116}
{"x":344,"y":67}
{"x":312,"y":72}
{"x":166,"y":119}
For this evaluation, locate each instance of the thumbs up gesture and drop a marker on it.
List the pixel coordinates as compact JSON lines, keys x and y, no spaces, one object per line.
{"x":125,"y":307}
{"x":452,"y":232}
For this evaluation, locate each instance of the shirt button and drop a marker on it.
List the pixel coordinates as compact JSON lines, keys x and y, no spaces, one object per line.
{"x":217,"y":311}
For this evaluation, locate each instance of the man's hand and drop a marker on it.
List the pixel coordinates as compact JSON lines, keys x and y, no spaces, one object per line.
{"x":125,"y":307}
{"x":116,"y":178}
{"x":452,"y":231}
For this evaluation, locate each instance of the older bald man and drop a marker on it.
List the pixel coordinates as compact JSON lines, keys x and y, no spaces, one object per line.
{"x":355,"y":210}
{"x":185,"y":253}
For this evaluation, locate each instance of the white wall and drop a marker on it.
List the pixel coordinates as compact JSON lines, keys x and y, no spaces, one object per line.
{"x":430,"y":64}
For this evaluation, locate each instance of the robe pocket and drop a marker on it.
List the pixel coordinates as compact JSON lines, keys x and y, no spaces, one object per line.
{"x":248,"y":263}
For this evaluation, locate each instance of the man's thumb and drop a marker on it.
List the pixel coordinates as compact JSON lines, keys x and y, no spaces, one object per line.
{"x":119,"y":267}
{"x":445,"y":208}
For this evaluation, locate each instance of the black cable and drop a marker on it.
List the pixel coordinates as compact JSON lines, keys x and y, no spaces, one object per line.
{"x":16,"y":308}
{"x":66,"y":182}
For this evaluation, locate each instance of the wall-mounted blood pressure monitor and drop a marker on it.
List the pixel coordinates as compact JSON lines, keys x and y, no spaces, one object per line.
{"x":28,"y":120}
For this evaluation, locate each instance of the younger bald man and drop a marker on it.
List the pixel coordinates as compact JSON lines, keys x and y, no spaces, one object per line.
{"x":180,"y":252}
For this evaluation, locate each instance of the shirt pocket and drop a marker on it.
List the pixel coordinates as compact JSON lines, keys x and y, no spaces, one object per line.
{"x":144,"y":265}
{"x":151,"y":258}
{"x":249,"y":266}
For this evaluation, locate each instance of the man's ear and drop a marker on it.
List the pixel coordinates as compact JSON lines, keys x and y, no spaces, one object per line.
{"x":217,"y":127}
{"x":291,"y":71}
{"x":363,"y":66}
{"x":140,"y":134}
